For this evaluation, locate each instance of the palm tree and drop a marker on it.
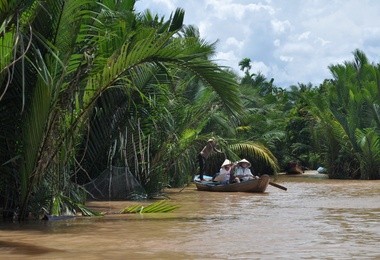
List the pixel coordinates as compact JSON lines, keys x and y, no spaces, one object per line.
{"x":245,"y":65}
{"x":349,"y":109}
{"x":82,"y":55}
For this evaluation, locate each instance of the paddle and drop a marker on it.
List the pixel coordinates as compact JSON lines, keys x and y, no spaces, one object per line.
{"x":278,"y":186}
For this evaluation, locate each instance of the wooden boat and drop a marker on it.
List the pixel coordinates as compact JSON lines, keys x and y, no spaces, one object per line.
{"x":293,"y":168}
{"x":254,"y":185}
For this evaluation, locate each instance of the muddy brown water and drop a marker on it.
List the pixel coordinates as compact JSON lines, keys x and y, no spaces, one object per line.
{"x":316,"y":218}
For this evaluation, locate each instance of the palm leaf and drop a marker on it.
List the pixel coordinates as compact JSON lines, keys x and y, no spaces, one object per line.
{"x":156,"y":207}
{"x":65,"y":205}
{"x":257,"y":152}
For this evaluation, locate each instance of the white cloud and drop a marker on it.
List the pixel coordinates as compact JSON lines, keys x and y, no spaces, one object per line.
{"x":297,"y":48}
{"x":233,"y":42}
{"x":304,"y":36}
{"x":260,"y":67}
{"x":280,"y":26}
{"x":204,"y":27}
{"x":228,"y":59}
{"x":321,"y":41}
{"x":169,"y":4}
{"x":291,"y":41}
{"x":277,"y":43}
{"x":286,"y":58}
{"x":234,"y":9}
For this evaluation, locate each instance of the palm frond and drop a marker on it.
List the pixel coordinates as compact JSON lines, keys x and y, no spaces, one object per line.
{"x":369,"y":142}
{"x":156,"y":207}
{"x":63,"y":205}
{"x":35,"y":133}
{"x":257,"y":152}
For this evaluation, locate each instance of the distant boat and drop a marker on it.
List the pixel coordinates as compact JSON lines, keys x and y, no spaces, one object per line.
{"x":293,"y":168}
{"x":254,"y":185}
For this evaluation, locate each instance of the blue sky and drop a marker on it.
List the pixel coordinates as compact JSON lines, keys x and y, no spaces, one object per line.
{"x":292,"y":41}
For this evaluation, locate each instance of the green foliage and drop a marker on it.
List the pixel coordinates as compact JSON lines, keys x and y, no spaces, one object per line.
{"x":348,"y":109}
{"x":63,"y":205}
{"x":299,"y":128}
{"x":260,"y":156}
{"x":105,"y":85}
{"x":86,"y":84}
{"x":369,"y":143}
{"x":156,"y":207}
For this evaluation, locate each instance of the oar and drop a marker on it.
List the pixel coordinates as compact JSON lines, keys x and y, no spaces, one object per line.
{"x":278,"y":186}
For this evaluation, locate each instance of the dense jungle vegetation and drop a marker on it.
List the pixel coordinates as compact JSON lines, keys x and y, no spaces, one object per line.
{"x":89,"y":84}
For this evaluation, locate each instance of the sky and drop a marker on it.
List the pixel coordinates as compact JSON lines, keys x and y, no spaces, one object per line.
{"x":292,"y":41}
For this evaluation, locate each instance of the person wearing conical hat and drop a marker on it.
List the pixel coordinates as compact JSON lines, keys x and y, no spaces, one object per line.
{"x":209,"y":148}
{"x":225,"y":172}
{"x":242,"y":172}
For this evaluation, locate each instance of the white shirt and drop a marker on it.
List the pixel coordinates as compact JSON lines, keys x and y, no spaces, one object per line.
{"x":224,"y":175}
{"x":243,"y":173}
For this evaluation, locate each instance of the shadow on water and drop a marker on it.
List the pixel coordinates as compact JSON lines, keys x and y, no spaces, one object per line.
{"x":25,"y":248}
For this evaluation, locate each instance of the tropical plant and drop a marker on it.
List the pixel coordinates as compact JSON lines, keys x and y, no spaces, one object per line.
{"x":266,"y":109}
{"x":93,"y":69}
{"x":157,"y":207}
{"x":245,"y":65}
{"x":349,"y":110}
{"x":300,"y":125}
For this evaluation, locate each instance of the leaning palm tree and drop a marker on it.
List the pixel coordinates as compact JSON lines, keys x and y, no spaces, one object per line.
{"x":80,"y":52}
{"x":160,"y":110}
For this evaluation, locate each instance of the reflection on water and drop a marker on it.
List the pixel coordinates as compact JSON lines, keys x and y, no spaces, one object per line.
{"x":315,"y":219}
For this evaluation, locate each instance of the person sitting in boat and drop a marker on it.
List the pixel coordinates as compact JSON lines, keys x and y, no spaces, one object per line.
{"x":242,"y":172}
{"x":204,"y":154}
{"x":223,"y":176}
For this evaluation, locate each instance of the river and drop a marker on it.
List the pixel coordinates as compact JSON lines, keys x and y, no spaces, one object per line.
{"x":316,"y":218}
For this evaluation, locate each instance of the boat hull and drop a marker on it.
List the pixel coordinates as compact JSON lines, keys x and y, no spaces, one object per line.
{"x":255,"y":185}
